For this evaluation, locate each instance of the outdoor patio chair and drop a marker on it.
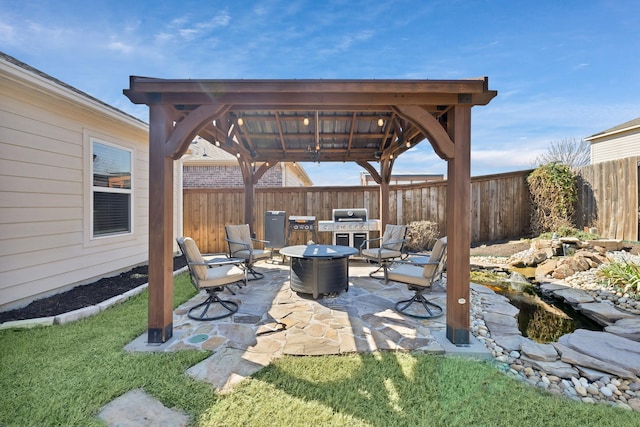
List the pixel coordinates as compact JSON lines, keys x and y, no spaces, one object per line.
{"x":391,"y":245}
{"x":420,"y":277}
{"x":212,"y":276}
{"x":241,"y":246}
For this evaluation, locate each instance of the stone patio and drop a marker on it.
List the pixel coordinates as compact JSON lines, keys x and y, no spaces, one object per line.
{"x":273,"y":321}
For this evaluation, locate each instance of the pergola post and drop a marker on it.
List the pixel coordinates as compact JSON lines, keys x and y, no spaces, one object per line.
{"x":160,"y":322}
{"x":459,"y":226}
{"x":385,"y":179}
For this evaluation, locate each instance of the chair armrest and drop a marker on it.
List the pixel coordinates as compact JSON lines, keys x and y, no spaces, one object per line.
{"x":214,"y":263}
{"x":246,"y":247}
{"x":266,"y":243}
{"x":391,"y":243}
{"x":418,"y":264}
{"x":364,"y":242}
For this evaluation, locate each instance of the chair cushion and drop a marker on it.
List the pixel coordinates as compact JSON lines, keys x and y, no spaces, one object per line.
{"x":436,"y":255}
{"x":221,"y":275}
{"x":379,"y":253}
{"x":257,"y":254}
{"x":238,"y":233}
{"x":407,"y":273}
{"x":394,"y":233}
{"x":194,"y":256}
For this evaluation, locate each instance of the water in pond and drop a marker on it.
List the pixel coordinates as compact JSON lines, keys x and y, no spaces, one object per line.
{"x":541,"y":319}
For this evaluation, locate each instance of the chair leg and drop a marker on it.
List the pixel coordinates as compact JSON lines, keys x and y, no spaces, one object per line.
{"x":255,"y":275}
{"x":230,"y":306}
{"x":432,"y":310}
{"x":384,"y":265}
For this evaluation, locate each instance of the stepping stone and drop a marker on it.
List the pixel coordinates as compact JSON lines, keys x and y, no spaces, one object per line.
{"x":228,"y":367}
{"x":137,"y":409}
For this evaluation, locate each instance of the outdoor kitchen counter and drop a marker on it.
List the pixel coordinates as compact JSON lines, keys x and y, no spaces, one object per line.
{"x":318,"y":269}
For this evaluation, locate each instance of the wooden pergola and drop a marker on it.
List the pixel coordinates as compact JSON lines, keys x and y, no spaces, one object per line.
{"x":370,"y":122}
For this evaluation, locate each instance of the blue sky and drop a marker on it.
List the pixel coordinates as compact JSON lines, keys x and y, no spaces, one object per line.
{"x":563,"y":69}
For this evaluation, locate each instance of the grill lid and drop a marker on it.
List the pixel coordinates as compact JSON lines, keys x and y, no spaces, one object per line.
{"x":350,"y":215}
{"x":302,"y":219}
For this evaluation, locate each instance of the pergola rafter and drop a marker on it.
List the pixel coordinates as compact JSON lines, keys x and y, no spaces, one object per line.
{"x":263,"y":121}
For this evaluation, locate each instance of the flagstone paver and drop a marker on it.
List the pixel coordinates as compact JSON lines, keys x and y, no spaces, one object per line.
{"x":274,"y":321}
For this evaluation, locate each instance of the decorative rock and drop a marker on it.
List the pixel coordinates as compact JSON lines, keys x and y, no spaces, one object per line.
{"x":543,"y":352}
{"x":563,"y":271}
{"x":590,"y":374}
{"x":509,"y":342}
{"x":604,"y":314}
{"x":557,"y":368}
{"x":591,"y":389}
{"x":503,"y":307}
{"x":546,"y":268}
{"x":574,"y":296}
{"x":579,"y":358}
{"x":606,"y":391}
{"x":628,"y":328}
{"x":581,"y":390}
{"x":553,"y":378}
{"x":599,"y":345}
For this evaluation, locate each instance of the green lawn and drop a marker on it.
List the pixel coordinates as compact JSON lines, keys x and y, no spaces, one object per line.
{"x":63,"y":375}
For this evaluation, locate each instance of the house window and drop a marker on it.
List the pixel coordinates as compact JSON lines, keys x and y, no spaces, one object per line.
{"x":111,"y":189}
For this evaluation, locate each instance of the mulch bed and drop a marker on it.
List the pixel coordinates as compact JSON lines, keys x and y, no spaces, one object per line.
{"x":85,"y":295}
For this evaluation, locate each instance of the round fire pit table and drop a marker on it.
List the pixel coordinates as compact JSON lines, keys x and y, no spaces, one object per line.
{"x":319,"y":269}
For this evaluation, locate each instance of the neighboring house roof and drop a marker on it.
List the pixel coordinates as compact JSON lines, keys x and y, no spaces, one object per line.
{"x":624,"y":127}
{"x":202,"y":152}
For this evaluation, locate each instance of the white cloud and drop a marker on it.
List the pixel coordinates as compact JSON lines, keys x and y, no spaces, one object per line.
{"x":188,"y":33}
{"x":7,"y":32}
{"x":119,"y":46}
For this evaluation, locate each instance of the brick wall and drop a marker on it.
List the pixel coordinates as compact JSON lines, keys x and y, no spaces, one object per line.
{"x":225,"y":177}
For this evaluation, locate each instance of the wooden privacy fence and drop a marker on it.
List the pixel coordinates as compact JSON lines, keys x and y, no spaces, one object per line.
{"x":608,"y":198}
{"x":499,"y":208}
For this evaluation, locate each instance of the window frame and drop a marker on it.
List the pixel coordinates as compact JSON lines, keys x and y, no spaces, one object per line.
{"x":91,"y":236}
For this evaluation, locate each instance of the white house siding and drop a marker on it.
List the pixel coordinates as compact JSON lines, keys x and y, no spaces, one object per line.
{"x":45,"y":236}
{"x":292,"y":179}
{"x":616,"y":146}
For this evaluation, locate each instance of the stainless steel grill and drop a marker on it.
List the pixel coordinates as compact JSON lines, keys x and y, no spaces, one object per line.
{"x":350,"y":227}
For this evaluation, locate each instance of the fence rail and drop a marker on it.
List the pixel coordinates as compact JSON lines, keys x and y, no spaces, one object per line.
{"x":499,"y":207}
